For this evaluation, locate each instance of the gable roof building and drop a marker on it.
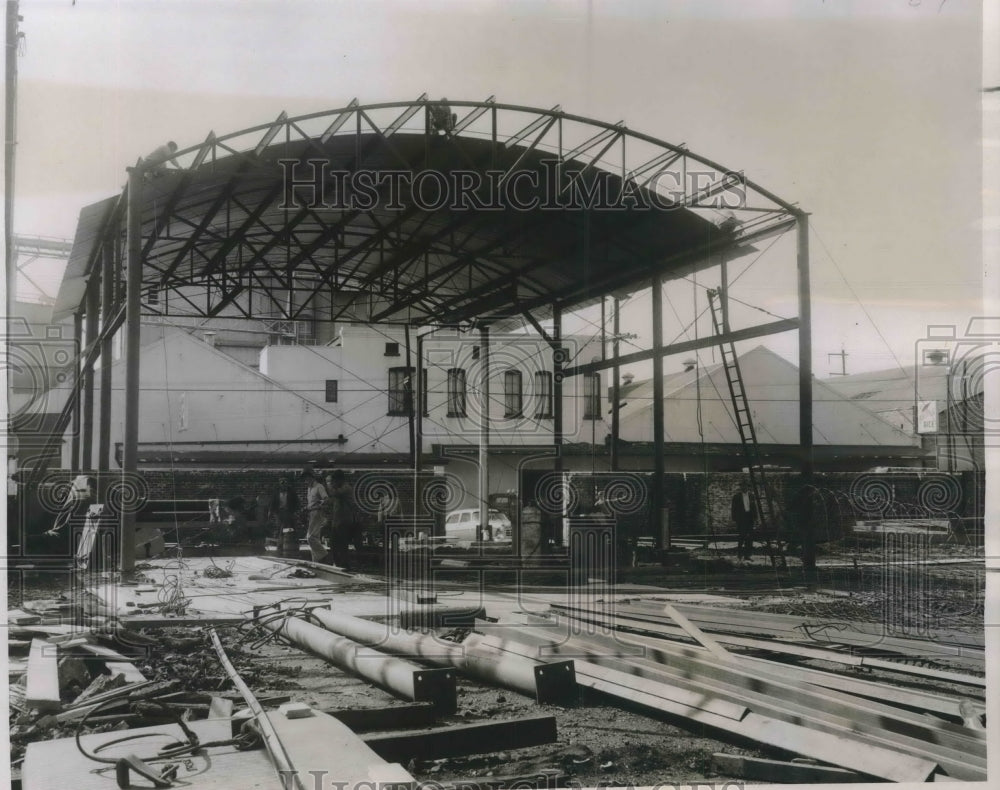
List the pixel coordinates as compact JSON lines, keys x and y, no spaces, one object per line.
{"x":698,"y":418}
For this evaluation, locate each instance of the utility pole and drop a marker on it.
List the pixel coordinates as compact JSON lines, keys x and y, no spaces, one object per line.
{"x":14,"y":37}
{"x":843,"y":361}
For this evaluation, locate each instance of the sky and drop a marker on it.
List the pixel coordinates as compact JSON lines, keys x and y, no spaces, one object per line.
{"x":867,"y":115}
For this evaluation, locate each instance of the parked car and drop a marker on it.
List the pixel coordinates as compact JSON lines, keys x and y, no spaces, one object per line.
{"x":463,"y":525}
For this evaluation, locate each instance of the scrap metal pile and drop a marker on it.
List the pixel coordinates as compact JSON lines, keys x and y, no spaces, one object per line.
{"x":740,"y":675}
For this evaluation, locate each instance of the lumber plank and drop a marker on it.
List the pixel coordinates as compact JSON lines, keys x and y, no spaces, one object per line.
{"x":774,"y":645}
{"x":106,"y":653}
{"x":21,"y":617}
{"x":871,"y":636}
{"x":780,"y":771}
{"x":466,"y":739}
{"x":694,"y":632}
{"x":126,"y":668}
{"x":326,"y":749}
{"x":220,"y":708}
{"x":58,"y":763}
{"x":837,"y":744}
{"x":42,"y":690}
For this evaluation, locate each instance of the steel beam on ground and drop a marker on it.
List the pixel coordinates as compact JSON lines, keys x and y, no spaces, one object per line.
{"x":769,"y":684}
{"x":465,"y":739}
{"x":654,"y":634}
{"x":394,"y":717}
{"x":403,"y":678}
{"x":844,"y":749}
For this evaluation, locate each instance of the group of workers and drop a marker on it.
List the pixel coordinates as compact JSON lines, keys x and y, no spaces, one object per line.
{"x":332,"y":513}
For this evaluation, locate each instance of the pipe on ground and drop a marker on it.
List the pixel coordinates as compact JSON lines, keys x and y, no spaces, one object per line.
{"x":400,"y":677}
{"x":552,"y":682}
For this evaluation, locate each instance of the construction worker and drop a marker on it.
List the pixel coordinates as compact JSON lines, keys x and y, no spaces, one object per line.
{"x":155,"y":162}
{"x":78,"y":499}
{"x":742,"y":511}
{"x":316,"y":497}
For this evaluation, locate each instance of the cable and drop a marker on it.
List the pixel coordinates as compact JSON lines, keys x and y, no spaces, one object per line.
{"x":864,"y":309}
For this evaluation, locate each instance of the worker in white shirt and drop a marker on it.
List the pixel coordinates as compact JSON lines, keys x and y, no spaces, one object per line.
{"x":316,"y":497}
{"x":78,"y":498}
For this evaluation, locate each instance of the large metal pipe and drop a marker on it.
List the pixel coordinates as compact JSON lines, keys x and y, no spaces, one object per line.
{"x":403,"y":678}
{"x":552,"y":682}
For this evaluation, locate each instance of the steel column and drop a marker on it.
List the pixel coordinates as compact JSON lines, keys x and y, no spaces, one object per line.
{"x":10,"y":153}
{"x":419,"y":405}
{"x":107,"y":313}
{"x":805,"y":395}
{"x":660,"y":529}
{"x":484,"y":429}
{"x":90,"y":332}
{"x":133,"y":295}
{"x":615,"y":386}
{"x":557,"y":386}
{"x":75,"y":425}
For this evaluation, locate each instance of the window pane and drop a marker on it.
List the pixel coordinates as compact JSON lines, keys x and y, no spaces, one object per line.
{"x":512,"y":393}
{"x":331,"y":390}
{"x":543,"y":394}
{"x":456,"y":392}
{"x":592,"y":396}
{"x":400,"y":392}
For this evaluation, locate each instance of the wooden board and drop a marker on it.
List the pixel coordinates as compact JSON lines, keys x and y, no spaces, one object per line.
{"x":21,"y":617}
{"x":43,"y":676}
{"x":780,"y":771}
{"x":320,"y":743}
{"x":126,"y":668}
{"x":58,"y":763}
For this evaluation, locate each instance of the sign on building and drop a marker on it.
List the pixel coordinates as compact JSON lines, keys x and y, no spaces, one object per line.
{"x":927,"y":416}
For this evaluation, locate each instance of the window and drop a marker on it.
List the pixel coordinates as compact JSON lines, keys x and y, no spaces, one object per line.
{"x":456,"y":392}
{"x":400,"y":392}
{"x":512,"y":395}
{"x":592,"y":396}
{"x":392,"y":349}
{"x":331,"y":390}
{"x":543,"y":394}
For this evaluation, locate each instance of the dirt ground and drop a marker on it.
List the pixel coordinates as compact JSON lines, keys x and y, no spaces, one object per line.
{"x":600,"y":743}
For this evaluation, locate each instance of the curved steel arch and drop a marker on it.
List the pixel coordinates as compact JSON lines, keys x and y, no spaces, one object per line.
{"x":218,"y":226}
{"x":217,"y":219}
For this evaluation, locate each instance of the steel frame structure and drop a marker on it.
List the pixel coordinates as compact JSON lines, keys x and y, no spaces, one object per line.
{"x":255,"y":212}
